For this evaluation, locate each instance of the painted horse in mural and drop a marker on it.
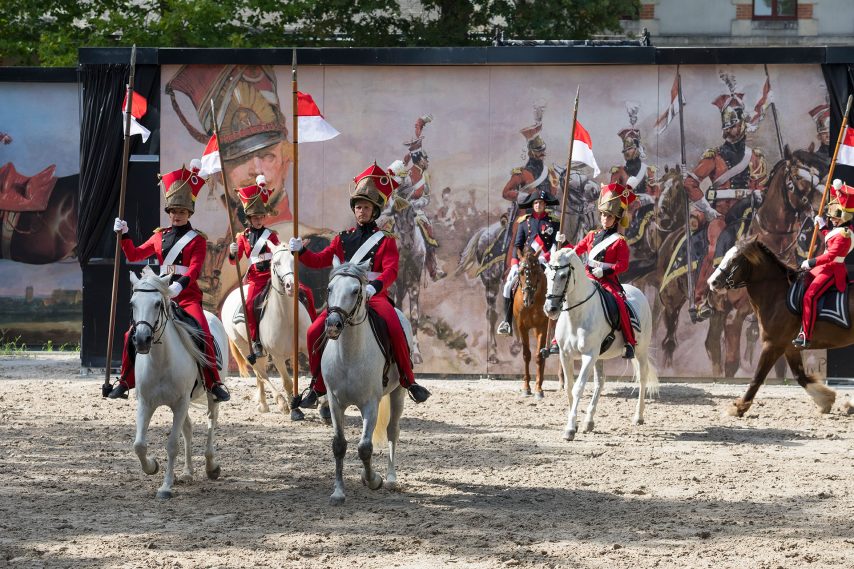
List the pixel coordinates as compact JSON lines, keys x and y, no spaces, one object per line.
{"x":400,"y":215}
{"x":582,"y":194}
{"x":751,"y":266}
{"x":791,"y":182}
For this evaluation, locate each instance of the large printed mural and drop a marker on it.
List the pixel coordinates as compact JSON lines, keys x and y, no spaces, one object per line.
{"x":473,"y":137}
{"x":40,"y":280}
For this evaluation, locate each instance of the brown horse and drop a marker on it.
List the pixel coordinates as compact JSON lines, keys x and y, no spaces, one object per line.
{"x":750,"y":264}
{"x":528,"y":301}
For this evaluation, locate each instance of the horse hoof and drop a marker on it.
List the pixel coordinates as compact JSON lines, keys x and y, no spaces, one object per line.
{"x":375,"y":484}
{"x":263,"y":408}
{"x":588,"y":427}
{"x":336,"y":500}
{"x":417,"y":359}
{"x":391,"y":485}
{"x":848,"y":408}
{"x":637,"y":421}
{"x":214,"y":473}
{"x":569,"y":435}
{"x":185,"y":479}
{"x":539,"y":395}
{"x":325,"y":414}
{"x":164,"y":494}
{"x":737,"y":408}
{"x":493,"y":359}
{"x":526,"y":392}
{"x":154,"y":470}
{"x":297,"y":415}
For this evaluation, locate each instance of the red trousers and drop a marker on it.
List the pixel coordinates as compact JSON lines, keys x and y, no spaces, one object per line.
{"x":381,"y":304}
{"x":816,"y":287}
{"x":210,"y":373}
{"x":256,"y":285}
{"x":625,"y":322}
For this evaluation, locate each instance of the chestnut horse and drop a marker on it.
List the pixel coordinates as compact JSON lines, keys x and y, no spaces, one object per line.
{"x":752,"y":265}
{"x":528,"y":301}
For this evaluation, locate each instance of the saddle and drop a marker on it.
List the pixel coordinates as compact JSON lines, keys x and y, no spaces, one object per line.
{"x":612,"y":315}
{"x":383,"y":338}
{"x":199,"y":336}
{"x":639,"y":223}
{"x":260,"y":306}
{"x":831,"y":307}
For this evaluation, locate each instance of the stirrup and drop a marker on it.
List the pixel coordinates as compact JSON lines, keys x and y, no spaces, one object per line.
{"x":119,"y":391}
{"x":801,"y":341}
{"x":503,"y":329}
{"x":308,"y":398}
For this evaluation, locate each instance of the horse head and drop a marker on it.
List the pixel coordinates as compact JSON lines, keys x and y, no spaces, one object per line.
{"x":346,"y":297}
{"x":282,"y":267}
{"x":149,"y":302}
{"x":561,"y":275}
{"x":530,"y":276}
{"x":670,"y":208}
{"x":806,"y":170}
{"x":746,"y":262}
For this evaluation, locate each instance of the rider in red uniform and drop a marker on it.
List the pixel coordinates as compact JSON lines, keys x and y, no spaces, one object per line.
{"x":180,"y":251}
{"x":256,"y":243}
{"x":363,"y":242}
{"x":608,"y":252}
{"x":828,"y":269}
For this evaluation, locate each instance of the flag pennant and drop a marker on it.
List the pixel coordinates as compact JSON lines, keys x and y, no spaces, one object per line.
{"x":672,"y":110}
{"x":582,"y":149}
{"x":537,"y":244}
{"x":138,"y":108}
{"x":210,"y":158}
{"x":311,"y":124}
{"x":846,"y":148}
{"x":761,"y":106}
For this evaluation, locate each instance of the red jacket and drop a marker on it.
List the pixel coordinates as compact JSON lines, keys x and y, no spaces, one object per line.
{"x":192,"y":256}
{"x":838,"y":243}
{"x":616,"y":254}
{"x":259,"y":271}
{"x":384,"y":257}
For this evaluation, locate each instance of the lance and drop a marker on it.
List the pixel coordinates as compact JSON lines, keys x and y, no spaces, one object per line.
{"x":251,"y":357}
{"x":692,"y":306}
{"x":544,"y":352}
{"x":295,"y":358}
{"x":830,"y":173}
{"x":107,"y":386}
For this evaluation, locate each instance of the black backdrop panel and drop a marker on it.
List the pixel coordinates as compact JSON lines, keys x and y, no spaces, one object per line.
{"x":142,"y":212}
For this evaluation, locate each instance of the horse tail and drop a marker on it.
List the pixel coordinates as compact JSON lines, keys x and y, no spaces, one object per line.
{"x":242,"y":364}
{"x":380,"y":438}
{"x":651,"y":376}
{"x":468,"y":258}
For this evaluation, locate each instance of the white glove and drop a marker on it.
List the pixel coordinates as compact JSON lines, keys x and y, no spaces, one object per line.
{"x":820,"y":221}
{"x":232,"y":249}
{"x":706,"y":208}
{"x":295,"y":244}
{"x":370,"y":290}
{"x":543,"y":260}
{"x":120,"y":225}
{"x":598,"y":272}
{"x":175,"y":289}
{"x":806,"y":265}
{"x":560,"y":238}
{"x":593,"y":263}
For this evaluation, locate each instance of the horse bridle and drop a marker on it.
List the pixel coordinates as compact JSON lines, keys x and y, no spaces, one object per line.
{"x":562,"y":294}
{"x":348,"y":316}
{"x":280,"y":277}
{"x":729,"y":281}
{"x":158,"y":327}
{"x":529,"y":288}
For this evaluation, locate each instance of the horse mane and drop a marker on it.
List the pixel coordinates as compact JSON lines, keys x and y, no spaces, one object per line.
{"x":812,"y":160}
{"x":748,"y":248}
{"x":350,"y":270}
{"x":187,"y":333}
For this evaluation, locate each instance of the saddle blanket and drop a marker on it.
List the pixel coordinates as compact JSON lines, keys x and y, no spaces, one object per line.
{"x":612,"y":312}
{"x":832,"y":306}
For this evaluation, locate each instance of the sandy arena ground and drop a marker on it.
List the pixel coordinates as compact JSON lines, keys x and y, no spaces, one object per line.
{"x":486,"y":481}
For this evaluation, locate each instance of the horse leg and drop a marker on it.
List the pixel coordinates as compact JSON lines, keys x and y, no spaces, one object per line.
{"x":732,"y":341}
{"x":541,"y":361}
{"x":187,"y":432}
{"x":370,"y":477}
{"x":414,"y":314}
{"x":770,"y":354}
{"x":339,"y":449}
{"x":492,"y":318}
{"x":179,"y":415}
{"x":396,"y":399}
{"x":641,"y":366}
{"x":823,"y":396}
{"x":567,"y":366}
{"x":261,"y":379}
{"x":577,"y":390}
{"x":143,"y":418}
{"x":212,"y":468}
{"x":713,"y":341}
{"x":526,"y":357}
{"x":598,"y":382}
{"x":287,"y":389}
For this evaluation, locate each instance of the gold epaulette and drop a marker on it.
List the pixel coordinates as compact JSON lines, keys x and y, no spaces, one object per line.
{"x":554,"y":217}
{"x":615,"y":169}
{"x":710,"y":153}
{"x":157,"y":229}
{"x":389,"y":234}
{"x":200,"y":233}
{"x":244,"y":232}
{"x":515,"y":171}
{"x":758,"y":152}
{"x":523,"y":217}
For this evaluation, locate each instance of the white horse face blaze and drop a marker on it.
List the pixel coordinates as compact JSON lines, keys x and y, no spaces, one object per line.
{"x":282,"y":267}
{"x":716,"y":280}
{"x":145,"y":307}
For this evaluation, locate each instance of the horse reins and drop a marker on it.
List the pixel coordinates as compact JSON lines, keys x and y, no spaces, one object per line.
{"x":562,"y":294}
{"x":348,"y":316}
{"x":280,"y":277}
{"x":157,"y":328}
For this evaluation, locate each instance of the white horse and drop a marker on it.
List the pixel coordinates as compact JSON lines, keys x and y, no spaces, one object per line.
{"x":167,"y":373}
{"x":352,"y":366}
{"x":571,"y":299}
{"x":275,"y":330}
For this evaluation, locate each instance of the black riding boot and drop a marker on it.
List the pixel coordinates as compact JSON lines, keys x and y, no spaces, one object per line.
{"x":630,"y":352}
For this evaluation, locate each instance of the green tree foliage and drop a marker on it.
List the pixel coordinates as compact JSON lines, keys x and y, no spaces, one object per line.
{"x":49,"y":32}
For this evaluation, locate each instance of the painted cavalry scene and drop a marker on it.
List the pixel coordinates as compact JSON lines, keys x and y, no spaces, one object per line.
{"x":431,"y":291}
